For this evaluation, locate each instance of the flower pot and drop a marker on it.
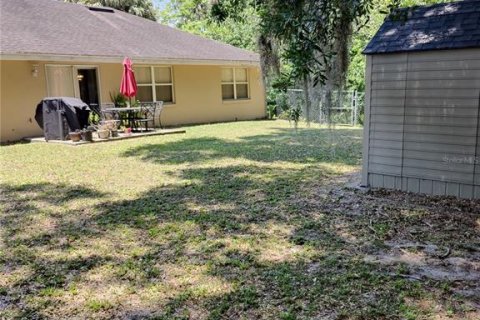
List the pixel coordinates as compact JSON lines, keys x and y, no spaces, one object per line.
{"x":114,"y":133}
{"x":87,"y":135}
{"x":103,"y":134}
{"x":110,"y":124}
{"x":74,"y":136}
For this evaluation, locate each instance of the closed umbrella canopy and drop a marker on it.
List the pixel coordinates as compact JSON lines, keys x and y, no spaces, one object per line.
{"x":128,"y":87}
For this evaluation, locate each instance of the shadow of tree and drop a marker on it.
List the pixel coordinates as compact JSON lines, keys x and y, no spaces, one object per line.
{"x":52,"y":193}
{"x":238,"y":241}
{"x":228,"y":197}
{"x":283,"y":145}
{"x":23,"y":209}
{"x":21,"y":202}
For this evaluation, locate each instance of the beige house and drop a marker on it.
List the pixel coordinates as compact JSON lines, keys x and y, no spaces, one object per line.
{"x":52,"y":48}
{"x":422,"y":117}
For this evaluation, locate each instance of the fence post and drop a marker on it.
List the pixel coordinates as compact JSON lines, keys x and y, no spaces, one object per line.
{"x":355,"y":107}
{"x":352,"y":108}
{"x":322,"y":107}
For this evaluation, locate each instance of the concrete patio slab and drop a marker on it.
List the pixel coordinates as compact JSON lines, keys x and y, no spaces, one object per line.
{"x":122,"y":136}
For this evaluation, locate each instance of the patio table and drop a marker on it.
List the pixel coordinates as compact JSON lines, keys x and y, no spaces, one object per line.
{"x":126,"y":114}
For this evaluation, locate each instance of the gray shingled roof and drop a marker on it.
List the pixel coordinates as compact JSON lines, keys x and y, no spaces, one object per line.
{"x":51,"y":27}
{"x":443,"y":26}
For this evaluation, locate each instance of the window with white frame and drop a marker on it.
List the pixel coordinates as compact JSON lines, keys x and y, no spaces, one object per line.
{"x":154,"y":83}
{"x":235,"y":84}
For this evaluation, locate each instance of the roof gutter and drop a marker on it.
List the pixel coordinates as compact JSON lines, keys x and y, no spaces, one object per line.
{"x":113,"y":59}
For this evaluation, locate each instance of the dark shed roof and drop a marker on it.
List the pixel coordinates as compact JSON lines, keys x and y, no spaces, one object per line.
{"x":442,"y":26}
{"x":51,"y":27}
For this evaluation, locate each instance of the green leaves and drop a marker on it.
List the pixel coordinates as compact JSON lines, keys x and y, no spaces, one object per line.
{"x":309,"y":31}
{"x":142,"y":8}
{"x":233,"y":21}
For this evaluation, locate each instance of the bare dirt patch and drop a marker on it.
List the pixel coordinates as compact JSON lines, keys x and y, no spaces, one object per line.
{"x":434,"y":241}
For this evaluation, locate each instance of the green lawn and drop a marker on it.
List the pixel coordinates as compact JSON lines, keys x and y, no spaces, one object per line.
{"x":246,"y":220}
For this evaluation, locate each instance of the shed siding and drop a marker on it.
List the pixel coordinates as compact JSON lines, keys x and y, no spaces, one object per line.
{"x":476,"y":159}
{"x":423,"y":125}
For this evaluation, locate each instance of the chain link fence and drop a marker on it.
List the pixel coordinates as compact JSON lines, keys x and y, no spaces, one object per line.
{"x":343,"y":107}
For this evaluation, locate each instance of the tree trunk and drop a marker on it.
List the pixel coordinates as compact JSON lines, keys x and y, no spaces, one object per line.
{"x":308,"y":102}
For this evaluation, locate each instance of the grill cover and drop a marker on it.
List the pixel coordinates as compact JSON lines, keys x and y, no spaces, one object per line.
{"x":58,"y":116}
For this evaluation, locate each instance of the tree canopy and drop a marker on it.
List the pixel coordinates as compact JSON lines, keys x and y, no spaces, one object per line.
{"x":322,"y":39}
{"x":361,"y":37}
{"x":231,"y":21}
{"x":142,"y":8}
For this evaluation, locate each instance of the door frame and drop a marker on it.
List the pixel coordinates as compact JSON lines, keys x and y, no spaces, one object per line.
{"x":75,"y":68}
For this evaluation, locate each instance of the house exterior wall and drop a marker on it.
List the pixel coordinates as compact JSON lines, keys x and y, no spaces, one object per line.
{"x":19,"y":95}
{"x":197,"y":90}
{"x":422,"y":122}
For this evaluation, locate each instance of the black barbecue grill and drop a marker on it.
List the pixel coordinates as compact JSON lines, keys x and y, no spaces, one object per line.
{"x":58,"y":116}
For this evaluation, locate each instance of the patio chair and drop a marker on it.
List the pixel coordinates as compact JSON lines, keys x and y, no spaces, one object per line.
{"x":105,"y":116}
{"x":108,"y":115}
{"x":147,"y":114}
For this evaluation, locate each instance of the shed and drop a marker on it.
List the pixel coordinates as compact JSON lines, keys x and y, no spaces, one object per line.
{"x":422,"y":111}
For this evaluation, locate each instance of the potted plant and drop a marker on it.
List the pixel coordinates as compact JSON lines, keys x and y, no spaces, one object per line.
{"x":112,"y":126}
{"x":87,"y":134}
{"x":103,"y":131}
{"x":118,"y":99}
{"x":134,"y":103}
{"x":75,"y":136}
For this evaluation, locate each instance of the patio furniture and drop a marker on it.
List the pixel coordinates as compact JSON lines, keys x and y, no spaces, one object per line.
{"x":136,"y":117}
{"x":106,"y":112}
{"x":125,"y":115}
{"x":147,"y":114}
{"x":101,"y":113}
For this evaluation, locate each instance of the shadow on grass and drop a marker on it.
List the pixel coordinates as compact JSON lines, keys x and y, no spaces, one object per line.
{"x":21,"y":202}
{"x":241,"y":241}
{"x":218,"y":230}
{"x":306,"y":146}
{"x":52,"y":193}
{"x":25,"y":209}
{"x":227,"y":197}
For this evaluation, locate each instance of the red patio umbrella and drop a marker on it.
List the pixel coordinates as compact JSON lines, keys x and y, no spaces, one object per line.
{"x":128,"y":87}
